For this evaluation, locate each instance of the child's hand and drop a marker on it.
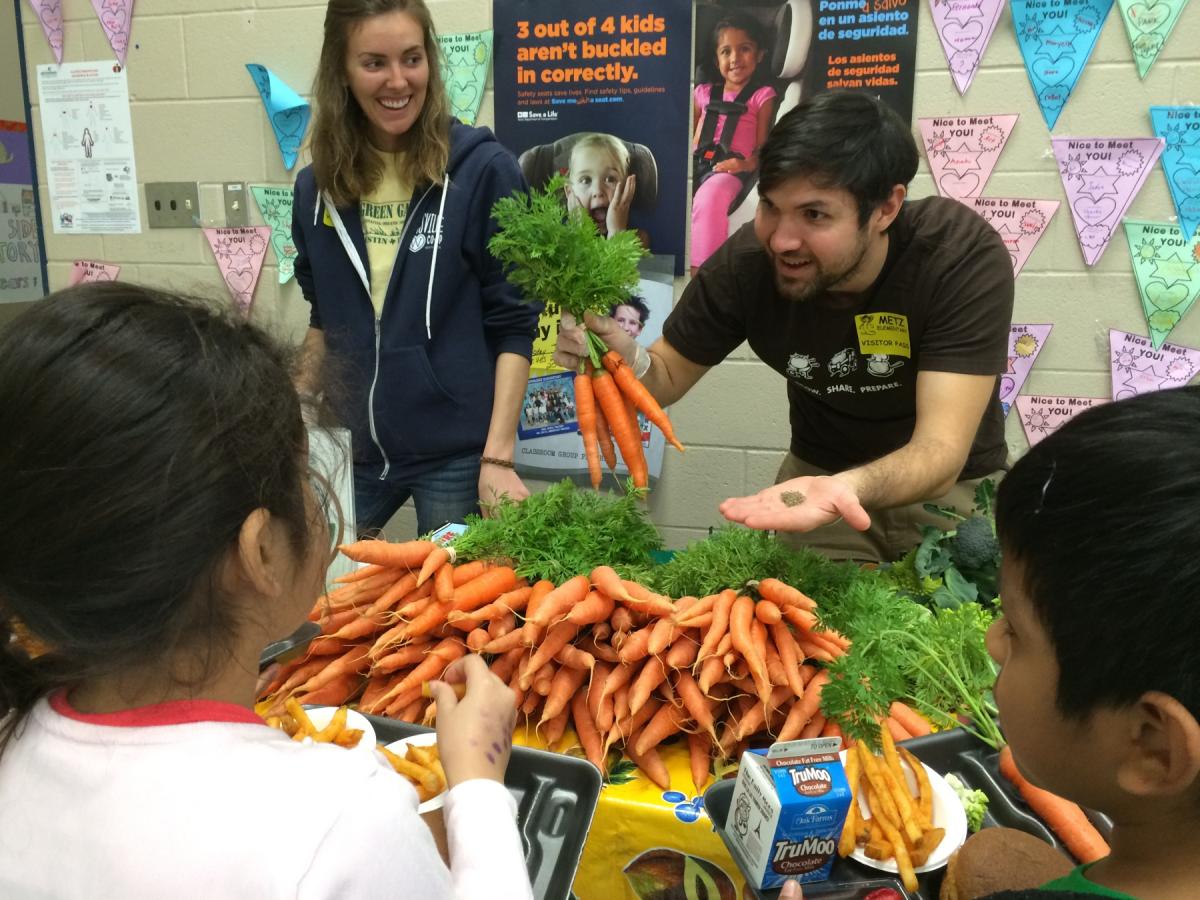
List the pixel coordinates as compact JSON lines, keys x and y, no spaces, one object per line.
{"x":617,"y":219}
{"x":572,"y":201}
{"x":474,"y":733}
{"x":733,"y":166}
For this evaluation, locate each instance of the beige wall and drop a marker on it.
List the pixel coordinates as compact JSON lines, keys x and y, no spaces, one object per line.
{"x":196,"y":117}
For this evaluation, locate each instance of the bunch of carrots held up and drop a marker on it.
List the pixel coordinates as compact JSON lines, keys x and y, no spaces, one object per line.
{"x":607,"y":401}
{"x":620,"y":665}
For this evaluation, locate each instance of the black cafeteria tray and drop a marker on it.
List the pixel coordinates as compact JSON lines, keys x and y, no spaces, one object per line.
{"x":556,"y":797}
{"x":955,"y":752}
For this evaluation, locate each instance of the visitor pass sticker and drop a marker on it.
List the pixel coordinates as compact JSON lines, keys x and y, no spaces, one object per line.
{"x":883,"y":332}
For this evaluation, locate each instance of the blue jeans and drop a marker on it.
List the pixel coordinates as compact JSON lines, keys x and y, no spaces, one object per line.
{"x":445,"y":494}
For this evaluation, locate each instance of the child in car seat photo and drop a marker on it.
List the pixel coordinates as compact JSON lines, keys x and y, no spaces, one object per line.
{"x":728,"y":129}
{"x":599,"y":182}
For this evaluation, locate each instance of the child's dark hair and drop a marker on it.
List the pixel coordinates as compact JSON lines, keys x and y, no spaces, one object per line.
{"x":736,"y":18}
{"x":643,"y":310}
{"x":841,"y":139}
{"x":138,"y":430}
{"x":1100,"y":519}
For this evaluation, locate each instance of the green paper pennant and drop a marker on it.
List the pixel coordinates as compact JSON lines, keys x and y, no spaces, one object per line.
{"x":1167,"y":268}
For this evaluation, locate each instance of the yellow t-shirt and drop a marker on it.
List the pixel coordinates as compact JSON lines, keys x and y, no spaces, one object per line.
{"x":383,"y":214}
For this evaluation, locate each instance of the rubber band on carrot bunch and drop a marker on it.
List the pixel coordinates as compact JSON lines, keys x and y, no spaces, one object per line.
{"x":560,"y":257}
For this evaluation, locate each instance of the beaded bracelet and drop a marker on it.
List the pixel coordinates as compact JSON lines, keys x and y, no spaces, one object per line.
{"x":506,"y":463}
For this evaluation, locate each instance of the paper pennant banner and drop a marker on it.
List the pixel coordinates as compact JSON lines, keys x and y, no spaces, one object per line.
{"x":1139,"y":368}
{"x":1179,"y":126}
{"x":1167,"y":268}
{"x":275,"y":204}
{"x":86,"y":270}
{"x":1020,"y":223}
{"x":240,"y":253}
{"x":287,"y":111}
{"x":1056,"y":39}
{"x":467,"y":60}
{"x":49,"y":16}
{"x":962,"y":151}
{"x":1149,"y":23}
{"x":965,"y":28}
{"x":1025,"y":342}
{"x":116,"y":18}
{"x":1101,"y":177}
{"x":1042,"y":416}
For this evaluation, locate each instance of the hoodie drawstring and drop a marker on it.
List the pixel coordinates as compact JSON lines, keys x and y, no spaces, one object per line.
{"x":437,"y":242}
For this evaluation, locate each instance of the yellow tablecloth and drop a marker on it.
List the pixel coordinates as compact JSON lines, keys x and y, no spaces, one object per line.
{"x":650,"y":844}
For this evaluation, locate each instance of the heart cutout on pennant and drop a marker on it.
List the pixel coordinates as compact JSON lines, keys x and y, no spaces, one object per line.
{"x":959,"y":186}
{"x":962,"y":36}
{"x":240,"y":281}
{"x":1147,"y":17}
{"x":1053,"y":71}
{"x":1164,"y":297}
{"x":1094,"y":211}
{"x":1187,"y":180}
{"x":289,"y":121}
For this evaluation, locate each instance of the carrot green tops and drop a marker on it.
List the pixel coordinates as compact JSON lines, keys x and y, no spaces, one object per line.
{"x":1078,"y":882}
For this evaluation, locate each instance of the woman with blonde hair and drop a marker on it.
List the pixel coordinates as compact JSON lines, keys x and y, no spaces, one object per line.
{"x":430,"y":343}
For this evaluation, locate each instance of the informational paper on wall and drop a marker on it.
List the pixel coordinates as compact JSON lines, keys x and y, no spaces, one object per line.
{"x":548,"y":442}
{"x":88,"y":139}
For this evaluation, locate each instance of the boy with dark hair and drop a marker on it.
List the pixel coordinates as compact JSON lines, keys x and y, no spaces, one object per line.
{"x":631,"y":315}
{"x":888,"y":319}
{"x":1099,"y":687}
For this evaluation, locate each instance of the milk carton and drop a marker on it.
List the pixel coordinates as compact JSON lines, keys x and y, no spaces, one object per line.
{"x":787,"y":811}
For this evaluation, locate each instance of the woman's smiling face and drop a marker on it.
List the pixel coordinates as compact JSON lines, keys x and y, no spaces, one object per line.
{"x":387,"y":73}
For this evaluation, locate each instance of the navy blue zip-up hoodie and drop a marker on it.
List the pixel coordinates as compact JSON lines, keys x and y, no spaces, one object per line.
{"x":415,"y":386}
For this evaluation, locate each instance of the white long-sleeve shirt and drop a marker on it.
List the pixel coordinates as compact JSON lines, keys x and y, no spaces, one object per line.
{"x":202,"y":800}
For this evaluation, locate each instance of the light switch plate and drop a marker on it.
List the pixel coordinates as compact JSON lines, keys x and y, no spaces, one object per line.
{"x":236,"y":213}
{"x":172,"y":204}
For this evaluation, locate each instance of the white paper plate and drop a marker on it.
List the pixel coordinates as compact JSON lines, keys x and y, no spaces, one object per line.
{"x":948,"y":813}
{"x":321,"y":716}
{"x":400,"y":747}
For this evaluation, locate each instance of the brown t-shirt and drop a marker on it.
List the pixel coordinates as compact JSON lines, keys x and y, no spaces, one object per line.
{"x":943,"y":303}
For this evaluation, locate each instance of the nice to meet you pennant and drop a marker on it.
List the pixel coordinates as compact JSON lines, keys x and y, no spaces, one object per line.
{"x":287,"y":111}
{"x":275,"y":204}
{"x":1101,"y":177}
{"x":87,"y":270}
{"x":1019,"y":222}
{"x":239,"y":253}
{"x":1042,"y":416}
{"x":1056,"y":38}
{"x":1140,"y":368}
{"x":1149,"y":23}
{"x":965,"y":27}
{"x":50,"y":17}
{"x":1179,"y":127}
{"x":1167,"y":268}
{"x":1025,"y":342}
{"x":962,"y":151}
{"x":466,"y":59}
{"x":116,"y":18}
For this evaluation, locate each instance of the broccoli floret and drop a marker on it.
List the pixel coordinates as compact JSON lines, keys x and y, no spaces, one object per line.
{"x":974,"y":545}
{"x":975,"y":803}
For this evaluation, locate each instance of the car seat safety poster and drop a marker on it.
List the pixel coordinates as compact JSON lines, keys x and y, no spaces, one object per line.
{"x":599,"y":92}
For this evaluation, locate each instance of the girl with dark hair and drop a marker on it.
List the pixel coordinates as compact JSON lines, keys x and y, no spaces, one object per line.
{"x":391,"y":223}
{"x":160,"y":529}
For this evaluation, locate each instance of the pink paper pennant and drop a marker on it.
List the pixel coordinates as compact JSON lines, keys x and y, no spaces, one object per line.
{"x":1137,"y":368}
{"x":1025,"y":342}
{"x":1019,"y":222}
{"x":86,"y":270}
{"x":116,"y":18}
{"x":1101,"y":177}
{"x":49,"y":16}
{"x":962,"y":151}
{"x":965,"y":27}
{"x":1042,"y":416}
{"x":240,"y":253}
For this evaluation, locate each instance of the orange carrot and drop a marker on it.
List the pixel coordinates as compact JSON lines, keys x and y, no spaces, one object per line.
{"x":624,"y":432}
{"x":912,"y":721}
{"x":604,"y":440}
{"x":407,"y":555}
{"x":359,"y":574}
{"x":814,"y":727}
{"x":595,"y":608}
{"x":348,"y":663}
{"x":699,"y":707}
{"x":335,"y":692}
{"x":485,"y":588}
{"x":720,"y":624}
{"x":605,"y":580}
{"x":767,"y":612}
{"x":434,"y":560}
{"x":701,"y":760}
{"x":636,"y":646}
{"x":775,"y":665}
{"x":556,"y":637}
{"x":402,"y":658}
{"x":477,"y":639}
{"x":804,"y":620}
{"x":667,"y":721}
{"x":789,"y":657}
{"x":599,"y":649}
{"x":586,"y":415}
{"x":652,"y":766}
{"x":429,"y":619}
{"x":575,"y":658}
{"x":470,"y":571}
{"x":443,"y":583}
{"x":559,"y":601}
{"x":782,"y":594}
{"x":585,"y":727}
{"x":641,"y":397}
{"x":653,"y":673}
{"x":807,"y":706}
{"x":741,"y":619}
{"x":505,"y":643}
{"x":756,"y":716}
{"x":554,"y":729}
{"x":565,"y":684}
{"x":687,"y":616}
{"x":643,"y":600}
{"x":662,"y":635}
{"x":621,"y":619}
{"x":1066,"y":819}
{"x":681,"y":654}
{"x":430,"y":668}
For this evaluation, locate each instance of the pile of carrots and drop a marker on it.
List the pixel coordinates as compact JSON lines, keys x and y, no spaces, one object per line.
{"x":607,"y":401}
{"x":623,"y":666}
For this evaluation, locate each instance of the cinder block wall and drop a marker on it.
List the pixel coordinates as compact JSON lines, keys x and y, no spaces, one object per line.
{"x":197,"y":117}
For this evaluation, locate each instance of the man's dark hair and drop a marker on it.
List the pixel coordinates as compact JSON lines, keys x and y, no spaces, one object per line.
{"x":841,"y":139}
{"x":637,"y":303}
{"x":1100,"y":518}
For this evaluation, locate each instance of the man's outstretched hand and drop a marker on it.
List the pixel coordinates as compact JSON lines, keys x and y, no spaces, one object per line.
{"x":800,"y":504}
